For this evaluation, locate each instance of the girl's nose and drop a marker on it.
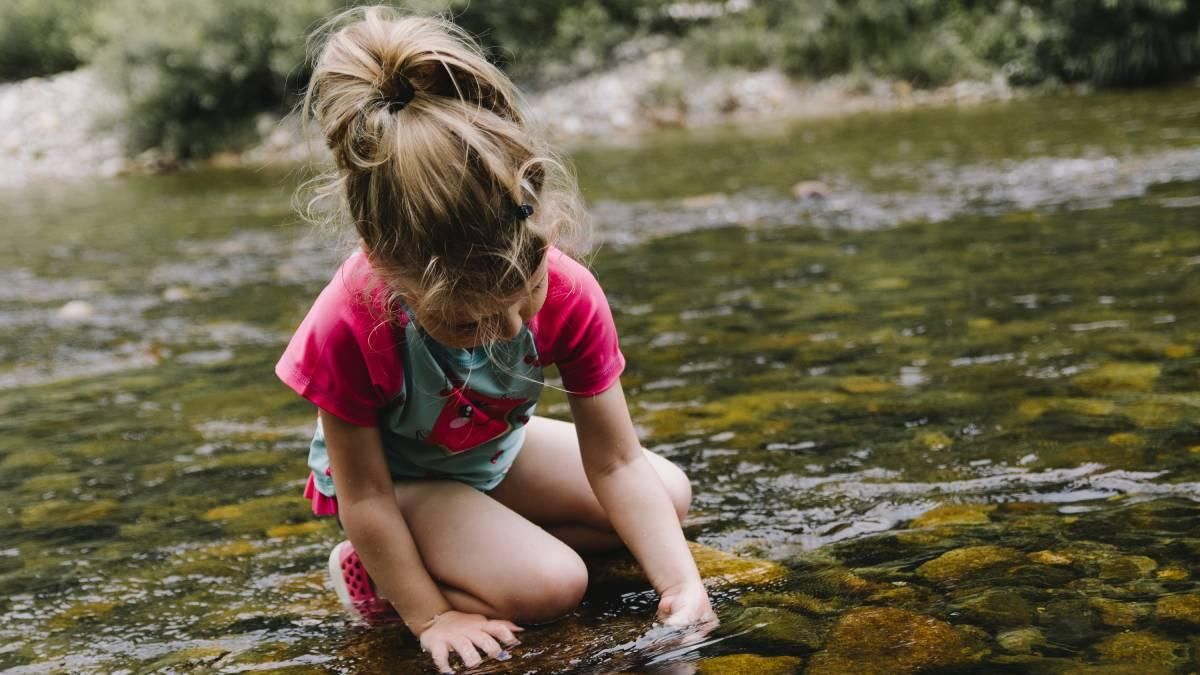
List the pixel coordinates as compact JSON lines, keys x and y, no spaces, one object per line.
{"x":510,"y":327}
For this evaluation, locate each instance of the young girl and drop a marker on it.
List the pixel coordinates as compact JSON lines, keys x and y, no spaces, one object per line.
{"x":424,"y":354}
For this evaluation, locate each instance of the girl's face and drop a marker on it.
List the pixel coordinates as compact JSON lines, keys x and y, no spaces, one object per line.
{"x":467,"y":328}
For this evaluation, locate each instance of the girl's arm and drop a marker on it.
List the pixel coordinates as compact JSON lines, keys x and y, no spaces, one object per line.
{"x":374,"y":524}
{"x":638,"y":504}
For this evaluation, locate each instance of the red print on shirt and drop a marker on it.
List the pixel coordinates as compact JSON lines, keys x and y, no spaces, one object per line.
{"x":470,"y":419}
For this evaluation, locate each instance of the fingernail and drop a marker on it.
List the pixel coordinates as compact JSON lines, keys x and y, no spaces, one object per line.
{"x":503,"y":656}
{"x":514,"y":643}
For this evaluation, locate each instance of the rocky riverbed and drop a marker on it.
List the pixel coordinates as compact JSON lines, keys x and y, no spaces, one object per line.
{"x":70,"y":125}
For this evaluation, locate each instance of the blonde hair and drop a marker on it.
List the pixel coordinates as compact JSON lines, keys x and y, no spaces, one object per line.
{"x":433,"y":160}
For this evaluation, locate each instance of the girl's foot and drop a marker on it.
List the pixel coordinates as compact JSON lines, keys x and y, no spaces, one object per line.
{"x":354,"y":588}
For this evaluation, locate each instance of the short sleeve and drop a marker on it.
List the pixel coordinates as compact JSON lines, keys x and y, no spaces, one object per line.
{"x":343,"y":357}
{"x":575,"y":329}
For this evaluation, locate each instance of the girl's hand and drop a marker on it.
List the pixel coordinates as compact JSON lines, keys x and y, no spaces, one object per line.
{"x":687,"y":606}
{"x":467,"y":634}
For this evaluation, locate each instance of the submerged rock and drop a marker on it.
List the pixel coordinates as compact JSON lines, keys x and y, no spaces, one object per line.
{"x":1021,"y":640}
{"x":890,"y":641}
{"x":1115,"y":613}
{"x":1142,"y":647}
{"x":1112,"y":377}
{"x":998,"y":609}
{"x":1181,"y":608}
{"x":718,"y":568}
{"x":781,"y":628}
{"x":749,"y":664}
{"x":793,"y":600}
{"x":955,"y":514}
{"x":962,"y":563}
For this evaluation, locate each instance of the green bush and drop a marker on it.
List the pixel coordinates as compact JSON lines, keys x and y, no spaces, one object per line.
{"x":195,"y":73}
{"x":42,"y":37}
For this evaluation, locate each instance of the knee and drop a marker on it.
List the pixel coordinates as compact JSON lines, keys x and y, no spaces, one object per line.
{"x":678,"y":487}
{"x":550,"y":589}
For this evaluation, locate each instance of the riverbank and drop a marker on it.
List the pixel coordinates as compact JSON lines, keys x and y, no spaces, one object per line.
{"x":69,"y":126}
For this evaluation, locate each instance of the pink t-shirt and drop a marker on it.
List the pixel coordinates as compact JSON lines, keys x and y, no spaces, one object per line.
{"x":344,"y":359}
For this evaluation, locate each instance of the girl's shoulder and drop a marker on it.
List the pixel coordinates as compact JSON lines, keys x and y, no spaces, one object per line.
{"x":343,"y":356}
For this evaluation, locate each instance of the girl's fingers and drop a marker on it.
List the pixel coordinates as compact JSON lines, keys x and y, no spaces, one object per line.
{"x":501,"y":631}
{"x":467,"y":652}
{"x":441,"y":657}
{"x":489,"y":646}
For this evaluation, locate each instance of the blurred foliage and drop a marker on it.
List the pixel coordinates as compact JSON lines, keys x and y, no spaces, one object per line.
{"x":1104,"y":42}
{"x":39,"y":37}
{"x":195,"y":73}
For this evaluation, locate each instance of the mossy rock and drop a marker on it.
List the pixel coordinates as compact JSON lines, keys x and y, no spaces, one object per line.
{"x":89,"y":612}
{"x":933,"y":440}
{"x":780,"y":628}
{"x":64,"y":511}
{"x":1177,"y":351}
{"x":749,"y":664}
{"x":891,"y":641}
{"x":1118,"y":377}
{"x":998,"y":609}
{"x":955,"y":514}
{"x":1087,"y":407}
{"x":1173,"y":573}
{"x":717,"y":568}
{"x":1181,"y":608}
{"x":1050,"y":558}
{"x":857,"y":384}
{"x":295,"y":530}
{"x":59,"y":483}
{"x":1117,"y":614}
{"x":793,"y":600}
{"x":1127,"y":568}
{"x":42,"y":460}
{"x":259,"y":515}
{"x":971,"y":561}
{"x":1142,"y":647}
{"x":191,"y":659}
{"x":1021,"y":640}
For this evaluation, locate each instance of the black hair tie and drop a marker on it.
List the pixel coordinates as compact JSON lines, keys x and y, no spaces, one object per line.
{"x":403,"y":96}
{"x":524,"y":211}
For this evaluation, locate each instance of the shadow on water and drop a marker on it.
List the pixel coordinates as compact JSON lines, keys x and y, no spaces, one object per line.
{"x":948,"y":424}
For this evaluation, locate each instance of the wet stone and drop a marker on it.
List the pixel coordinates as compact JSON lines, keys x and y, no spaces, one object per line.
{"x":864,"y":385}
{"x":933,"y":440}
{"x":887,"y":640}
{"x":191,"y":659}
{"x":1179,"y":608}
{"x":1127,"y":568}
{"x":793,"y":600}
{"x":66,"y":512}
{"x":1117,"y":614}
{"x":1142,"y":647}
{"x":780,"y":628}
{"x":972,"y":561}
{"x":1114,"y":377}
{"x":1021,"y":640}
{"x":749,"y":664}
{"x":1071,"y":621}
{"x":955,"y":514}
{"x":1049,"y":558}
{"x":998,"y":609}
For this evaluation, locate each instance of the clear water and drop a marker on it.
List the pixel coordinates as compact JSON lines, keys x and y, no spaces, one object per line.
{"x":995,"y":308}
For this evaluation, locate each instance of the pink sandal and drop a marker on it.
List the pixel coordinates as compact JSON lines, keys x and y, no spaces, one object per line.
{"x":354,"y":588}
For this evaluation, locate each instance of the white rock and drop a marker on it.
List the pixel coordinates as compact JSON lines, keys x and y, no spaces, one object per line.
{"x":77,"y":310}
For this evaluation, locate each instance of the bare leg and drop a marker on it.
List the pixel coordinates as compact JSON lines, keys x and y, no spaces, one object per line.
{"x":547,"y":485}
{"x":488,"y":559}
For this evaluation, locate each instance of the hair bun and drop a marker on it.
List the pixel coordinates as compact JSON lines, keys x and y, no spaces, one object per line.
{"x":397,"y":92}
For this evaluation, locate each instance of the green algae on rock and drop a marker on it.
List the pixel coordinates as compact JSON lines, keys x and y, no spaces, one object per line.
{"x":890,"y":641}
{"x":1184,"y":608}
{"x":1142,"y":647}
{"x":1118,"y":377}
{"x":998,"y":609}
{"x":955,"y":514}
{"x":962,"y":563}
{"x":750,"y":664}
{"x":1021,"y":640}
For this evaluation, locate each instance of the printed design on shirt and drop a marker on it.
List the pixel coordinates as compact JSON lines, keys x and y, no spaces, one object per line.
{"x":470,"y":418}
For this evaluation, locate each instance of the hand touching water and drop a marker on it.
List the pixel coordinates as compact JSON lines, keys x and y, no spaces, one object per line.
{"x":687,"y":606}
{"x":467,"y":634}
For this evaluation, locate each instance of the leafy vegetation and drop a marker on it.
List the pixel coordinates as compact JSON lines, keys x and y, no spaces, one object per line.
{"x":195,"y":73}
